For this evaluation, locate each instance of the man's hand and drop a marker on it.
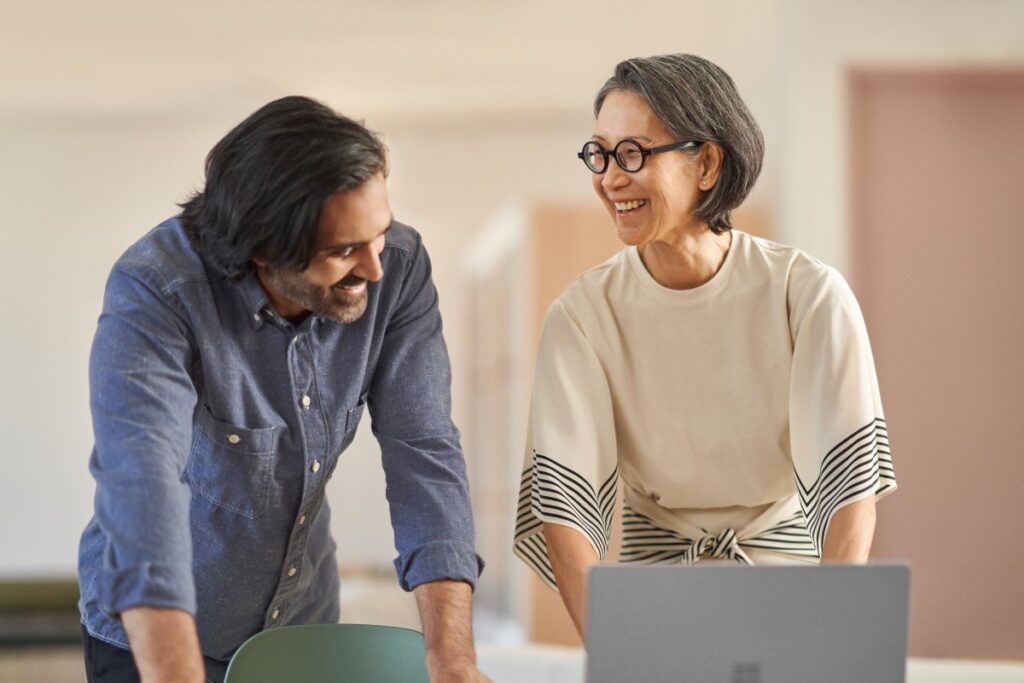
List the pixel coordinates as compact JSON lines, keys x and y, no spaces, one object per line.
{"x":446,"y":611}
{"x":165,"y":645}
{"x":467,"y":673}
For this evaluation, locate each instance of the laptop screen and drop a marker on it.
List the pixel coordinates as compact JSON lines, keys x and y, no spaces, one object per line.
{"x":722,"y":624}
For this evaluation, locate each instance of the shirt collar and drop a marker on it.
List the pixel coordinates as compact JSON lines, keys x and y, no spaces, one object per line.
{"x":258,"y":304}
{"x":256,"y":301}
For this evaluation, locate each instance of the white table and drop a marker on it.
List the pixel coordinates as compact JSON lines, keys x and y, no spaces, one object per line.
{"x":551,"y":664}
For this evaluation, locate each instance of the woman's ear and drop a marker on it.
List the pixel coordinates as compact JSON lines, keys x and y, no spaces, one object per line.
{"x":710,"y":164}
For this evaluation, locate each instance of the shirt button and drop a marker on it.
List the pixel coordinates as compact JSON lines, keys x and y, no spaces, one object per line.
{"x":302,"y":520}
{"x":275,"y":614}
{"x":306,"y":400}
{"x":292,"y":571}
{"x":655,"y":496}
{"x":234,"y":438}
{"x":256,"y":316}
{"x":316,"y":466}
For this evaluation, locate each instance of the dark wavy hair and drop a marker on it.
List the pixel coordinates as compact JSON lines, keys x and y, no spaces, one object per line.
{"x":697,"y":100}
{"x":267,"y":181}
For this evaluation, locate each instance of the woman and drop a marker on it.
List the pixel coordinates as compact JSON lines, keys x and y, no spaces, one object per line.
{"x":726,"y":380}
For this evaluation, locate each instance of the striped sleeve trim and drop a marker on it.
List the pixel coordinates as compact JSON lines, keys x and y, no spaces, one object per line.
{"x":644,"y":542}
{"x":857,"y":466}
{"x":552,"y":492}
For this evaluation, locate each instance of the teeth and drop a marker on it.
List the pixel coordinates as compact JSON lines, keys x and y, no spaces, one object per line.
{"x":630,"y":205}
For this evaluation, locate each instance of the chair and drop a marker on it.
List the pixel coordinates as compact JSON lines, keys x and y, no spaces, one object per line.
{"x":331,"y":653}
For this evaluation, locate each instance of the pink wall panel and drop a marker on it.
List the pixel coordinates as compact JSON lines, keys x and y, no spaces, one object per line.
{"x":937,"y":239}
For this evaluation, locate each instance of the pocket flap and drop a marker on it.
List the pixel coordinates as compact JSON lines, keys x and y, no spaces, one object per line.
{"x":241,"y":439}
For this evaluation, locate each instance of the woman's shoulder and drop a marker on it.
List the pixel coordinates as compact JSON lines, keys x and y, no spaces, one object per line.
{"x":809,"y":284}
{"x":798,"y":269}
{"x":594,"y":284}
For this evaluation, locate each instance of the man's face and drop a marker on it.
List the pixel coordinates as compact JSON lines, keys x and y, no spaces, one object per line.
{"x":352,"y":227}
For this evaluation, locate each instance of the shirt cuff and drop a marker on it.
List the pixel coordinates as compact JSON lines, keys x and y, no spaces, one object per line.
{"x":438,"y":561}
{"x":146,"y":585}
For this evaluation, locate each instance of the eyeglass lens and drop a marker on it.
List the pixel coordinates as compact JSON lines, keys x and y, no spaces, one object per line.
{"x":594,"y":157}
{"x":629,"y":155}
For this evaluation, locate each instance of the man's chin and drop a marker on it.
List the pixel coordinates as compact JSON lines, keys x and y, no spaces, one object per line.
{"x":348,"y":312}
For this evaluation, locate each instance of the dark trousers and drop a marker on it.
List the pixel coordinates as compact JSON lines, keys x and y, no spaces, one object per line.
{"x":106,"y":663}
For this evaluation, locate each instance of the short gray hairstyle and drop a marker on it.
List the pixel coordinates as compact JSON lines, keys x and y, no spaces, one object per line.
{"x":697,"y":100}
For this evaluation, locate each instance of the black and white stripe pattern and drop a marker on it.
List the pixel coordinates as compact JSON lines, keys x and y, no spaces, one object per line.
{"x":645,"y":542}
{"x":550,"y":491}
{"x":860,"y":464}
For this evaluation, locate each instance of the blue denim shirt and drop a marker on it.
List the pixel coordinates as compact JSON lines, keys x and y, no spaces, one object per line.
{"x":217,"y":425}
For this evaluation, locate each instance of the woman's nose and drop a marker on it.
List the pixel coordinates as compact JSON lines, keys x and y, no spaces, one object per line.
{"x":614,"y":177}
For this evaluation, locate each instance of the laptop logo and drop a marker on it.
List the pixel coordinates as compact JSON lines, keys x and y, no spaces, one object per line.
{"x":746,"y":672}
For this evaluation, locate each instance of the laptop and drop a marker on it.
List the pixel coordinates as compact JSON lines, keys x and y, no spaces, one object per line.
{"x":723,"y":624}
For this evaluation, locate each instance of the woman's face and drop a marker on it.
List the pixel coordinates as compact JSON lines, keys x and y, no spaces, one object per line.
{"x":659,"y":198}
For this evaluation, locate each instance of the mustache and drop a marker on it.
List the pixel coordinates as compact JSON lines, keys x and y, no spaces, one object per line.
{"x":350,"y":281}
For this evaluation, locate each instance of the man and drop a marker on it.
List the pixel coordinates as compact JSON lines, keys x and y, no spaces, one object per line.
{"x":238,"y":345}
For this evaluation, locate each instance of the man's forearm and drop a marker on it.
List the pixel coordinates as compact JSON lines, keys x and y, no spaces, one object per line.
{"x":446,"y":611}
{"x":850,"y":533}
{"x":165,"y":645}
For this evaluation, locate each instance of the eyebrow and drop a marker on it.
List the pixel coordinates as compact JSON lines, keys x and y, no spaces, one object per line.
{"x":628,"y":137}
{"x":348,"y":245}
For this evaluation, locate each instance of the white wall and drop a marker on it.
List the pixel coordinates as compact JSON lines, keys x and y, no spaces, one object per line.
{"x":108,"y":108}
{"x":76,"y":192}
{"x":828,"y":39}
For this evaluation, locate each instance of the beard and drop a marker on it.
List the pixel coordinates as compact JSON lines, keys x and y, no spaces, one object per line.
{"x":327,"y":302}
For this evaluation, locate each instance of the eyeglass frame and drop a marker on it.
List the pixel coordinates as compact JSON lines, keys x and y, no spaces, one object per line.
{"x":644,"y":153}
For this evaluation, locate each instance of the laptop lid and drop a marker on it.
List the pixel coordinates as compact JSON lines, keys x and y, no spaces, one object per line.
{"x":722,"y":624}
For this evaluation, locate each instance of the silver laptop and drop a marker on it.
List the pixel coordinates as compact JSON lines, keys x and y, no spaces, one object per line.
{"x":722,"y":624}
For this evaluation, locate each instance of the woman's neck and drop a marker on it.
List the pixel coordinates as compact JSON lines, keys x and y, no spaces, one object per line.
{"x":685,"y":259}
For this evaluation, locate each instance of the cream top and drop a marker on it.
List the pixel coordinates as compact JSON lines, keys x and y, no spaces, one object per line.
{"x":745,"y":406}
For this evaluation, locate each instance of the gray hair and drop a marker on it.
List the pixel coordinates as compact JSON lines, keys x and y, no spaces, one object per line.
{"x":697,"y":100}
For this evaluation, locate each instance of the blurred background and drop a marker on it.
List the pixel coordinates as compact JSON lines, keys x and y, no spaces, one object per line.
{"x":895,"y":152}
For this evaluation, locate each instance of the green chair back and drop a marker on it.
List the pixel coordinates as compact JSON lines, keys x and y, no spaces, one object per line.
{"x":331,"y":653}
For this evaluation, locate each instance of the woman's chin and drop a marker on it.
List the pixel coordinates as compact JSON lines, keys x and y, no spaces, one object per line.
{"x":630,"y":235}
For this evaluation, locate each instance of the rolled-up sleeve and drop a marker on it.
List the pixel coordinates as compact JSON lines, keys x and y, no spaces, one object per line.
{"x":410,"y":408}
{"x":142,"y":400}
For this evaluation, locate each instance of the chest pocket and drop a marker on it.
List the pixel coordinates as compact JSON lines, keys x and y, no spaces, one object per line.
{"x":351,"y":424}
{"x":232,"y":466}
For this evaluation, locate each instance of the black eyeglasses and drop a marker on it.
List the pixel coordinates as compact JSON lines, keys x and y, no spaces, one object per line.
{"x":630,"y":155}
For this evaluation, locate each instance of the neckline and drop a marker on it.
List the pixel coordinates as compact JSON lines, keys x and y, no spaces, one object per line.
{"x":699,"y":293}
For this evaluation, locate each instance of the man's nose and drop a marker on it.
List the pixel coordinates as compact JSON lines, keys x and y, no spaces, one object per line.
{"x":369,"y":266}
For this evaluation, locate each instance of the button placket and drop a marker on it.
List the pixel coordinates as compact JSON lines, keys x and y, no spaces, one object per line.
{"x":313,"y":437}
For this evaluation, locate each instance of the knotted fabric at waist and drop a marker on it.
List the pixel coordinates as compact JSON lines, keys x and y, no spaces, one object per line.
{"x":658,"y":536}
